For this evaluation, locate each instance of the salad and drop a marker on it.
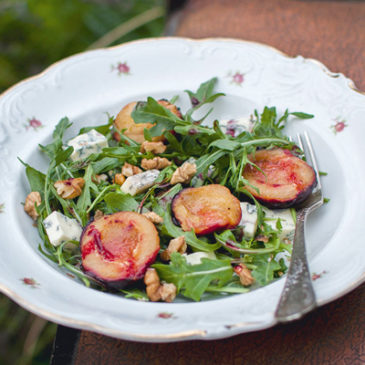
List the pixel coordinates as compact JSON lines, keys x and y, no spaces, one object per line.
{"x":156,"y":204}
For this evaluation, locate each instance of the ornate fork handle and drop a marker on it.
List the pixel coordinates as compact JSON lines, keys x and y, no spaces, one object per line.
{"x":298,"y":295}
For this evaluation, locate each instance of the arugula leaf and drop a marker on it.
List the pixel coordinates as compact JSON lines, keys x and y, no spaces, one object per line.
{"x":231,"y":288}
{"x":204,"y":94}
{"x":193,"y":129}
{"x":193,"y":280}
{"x":103,"y":129}
{"x":153,"y":112}
{"x":36,"y":178}
{"x":62,"y":155}
{"x":117,"y":202}
{"x":54,"y":147}
{"x":225,"y":144}
{"x":135,"y":294}
{"x":84,"y":200}
{"x":265,"y":268}
{"x":105,"y":164}
{"x":205,"y":161}
{"x":302,"y":115}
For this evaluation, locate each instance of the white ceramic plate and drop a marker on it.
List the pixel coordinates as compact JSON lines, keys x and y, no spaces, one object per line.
{"x":85,"y":86}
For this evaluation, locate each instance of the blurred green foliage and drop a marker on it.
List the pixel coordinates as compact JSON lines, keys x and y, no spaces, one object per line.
{"x":36,"y":33}
{"x":33,"y":35}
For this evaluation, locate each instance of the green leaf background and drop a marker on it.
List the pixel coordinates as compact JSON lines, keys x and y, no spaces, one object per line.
{"x":33,"y":35}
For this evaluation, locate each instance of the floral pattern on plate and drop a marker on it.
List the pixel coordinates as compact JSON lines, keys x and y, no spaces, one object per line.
{"x":237,"y":78}
{"x":339,"y":126}
{"x":122,"y":68}
{"x":33,"y":123}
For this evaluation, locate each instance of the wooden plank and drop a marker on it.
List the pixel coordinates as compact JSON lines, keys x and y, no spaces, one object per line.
{"x":331,"y":31}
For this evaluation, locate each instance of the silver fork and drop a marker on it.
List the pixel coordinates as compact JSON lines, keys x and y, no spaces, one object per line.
{"x":298,"y":296}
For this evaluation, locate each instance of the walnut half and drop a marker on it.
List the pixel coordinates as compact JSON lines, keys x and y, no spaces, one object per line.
{"x":175,"y":245}
{"x":153,"y":217}
{"x":244,"y":274}
{"x":158,"y":163}
{"x":184,"y":173}
{"x":33,"y":199}
{"x":130,"y":170}
{"x":70,"y":188}
{"x":154,"y":147}
{"x":157,"y":291}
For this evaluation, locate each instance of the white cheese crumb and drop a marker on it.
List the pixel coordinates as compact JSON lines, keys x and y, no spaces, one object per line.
{"x":286,"y":220}
{"x":196,"y":257}
{"x":60,"y":228}
{"x":236,"y":126}
{"x":248,"y":220}
{"x":138,"y":183}
{"x":86,"y":144}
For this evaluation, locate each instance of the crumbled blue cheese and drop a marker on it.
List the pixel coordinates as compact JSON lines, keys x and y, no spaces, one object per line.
{"x":86,"y":144}
{"x":60,"y":228}
{"x":196,"y":257}
{"x":248,"y":220}
{"x":138,"y":183}
{"x":286,"y":221}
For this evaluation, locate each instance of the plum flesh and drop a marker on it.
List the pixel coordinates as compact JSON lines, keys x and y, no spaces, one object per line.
{"x":206,"y":209}
{"x":285,"y":180}
{"x":118,"y":248}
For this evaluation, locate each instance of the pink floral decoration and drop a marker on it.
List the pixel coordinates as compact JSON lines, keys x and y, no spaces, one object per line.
{"x":236,"y":78}
{"x":316,"y":276}
{"x":33,"y":123}
{"x":29,"y":281}
{"x":165,"y":315}
{"x":122,"y":68}
{"x":339,"y":126}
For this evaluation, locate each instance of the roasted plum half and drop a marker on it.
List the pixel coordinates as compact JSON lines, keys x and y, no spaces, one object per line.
{"x":133,"y":130}
{"x":117,"y":249}
{"x":285,"y":180}
{"x":206,"y":209}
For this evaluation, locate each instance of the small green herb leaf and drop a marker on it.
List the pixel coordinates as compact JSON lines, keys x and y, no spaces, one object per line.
{"x":193,"y":280}
{"x":117,"y":202}
{"x":302,"y":115}
{"x":225,"y":144}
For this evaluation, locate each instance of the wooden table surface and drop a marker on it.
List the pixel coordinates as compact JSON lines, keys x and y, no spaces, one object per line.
{"x":334,"y":33}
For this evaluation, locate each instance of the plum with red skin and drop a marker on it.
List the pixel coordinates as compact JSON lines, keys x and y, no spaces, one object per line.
{"x":117,"y":249}
{"x":284,"y":181}
{"x":206,"y":209}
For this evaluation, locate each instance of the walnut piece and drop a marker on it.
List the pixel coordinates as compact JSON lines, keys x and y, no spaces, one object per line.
{"x":98,"y":214}
{"x":130,"y":170}
{"x":33,"y":199}
{"x":153,"y":217}
{"x":184,"y":173}
{"x":97,"y":179}
{"x":119,"y":179}
{"x":158,"y":163}
{"x":154,"y":147}
{"x":244,"y":274}
{"x":157,"y":291}
{"x":175,"y":245}
{"x":167,"y":292}
{"x":70,"y":188}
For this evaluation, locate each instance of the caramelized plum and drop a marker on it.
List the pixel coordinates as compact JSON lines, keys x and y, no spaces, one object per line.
{"x":134,"y":131}
{"x":206,"y":209}
{"x":118,"y":248}
{"x":285,"y":179}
